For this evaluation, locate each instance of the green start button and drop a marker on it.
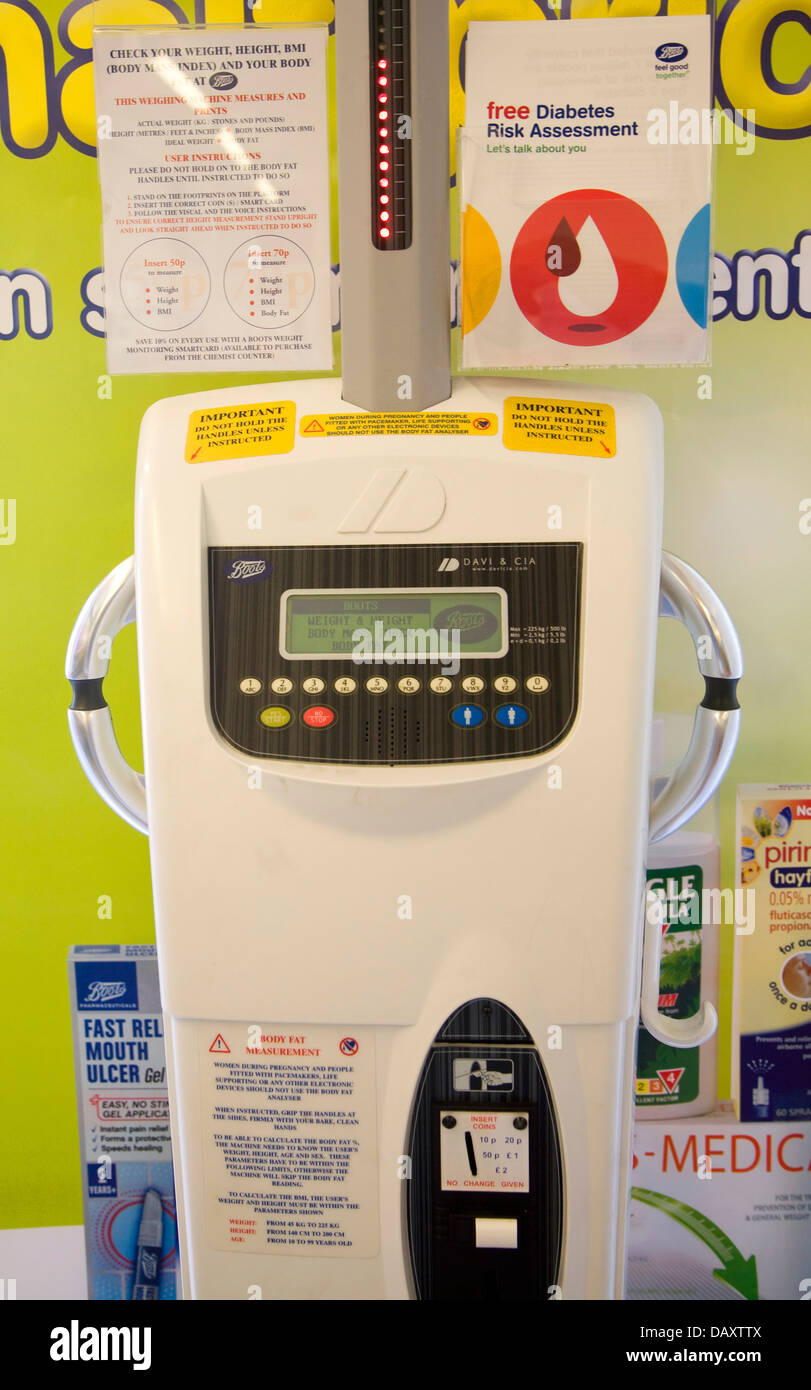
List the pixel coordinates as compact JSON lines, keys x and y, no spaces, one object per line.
{"x":275,"y":717}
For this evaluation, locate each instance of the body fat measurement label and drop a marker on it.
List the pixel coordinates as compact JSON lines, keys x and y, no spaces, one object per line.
{"x":289,"y":1134}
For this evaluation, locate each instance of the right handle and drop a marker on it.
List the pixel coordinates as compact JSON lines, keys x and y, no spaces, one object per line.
{"x":685,"y":595}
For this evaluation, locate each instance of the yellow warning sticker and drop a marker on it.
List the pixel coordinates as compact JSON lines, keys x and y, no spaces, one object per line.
{"x":398,"y":422}
{"x":241,"y":431}
{"x":550,"y":426}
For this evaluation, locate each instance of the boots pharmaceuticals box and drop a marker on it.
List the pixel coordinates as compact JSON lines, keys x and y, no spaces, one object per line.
{"x":127,"y":1185}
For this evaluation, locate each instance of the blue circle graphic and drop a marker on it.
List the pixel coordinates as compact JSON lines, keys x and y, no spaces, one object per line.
{"x":693,"y":266}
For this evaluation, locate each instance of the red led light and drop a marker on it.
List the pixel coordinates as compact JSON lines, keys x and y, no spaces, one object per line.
{"x":381,"y":63}
{"x":384,"y":197}
{"x":381,"y":116}
{"x":384,"y":217}
{"x":383,"y":130}
{"x":384,"y":149}
{"x":382,"y":82}
{"x":384,"y":164}
{"x":384,"y":183}
{"x":384,"y":231}
{"x":382,"y":96}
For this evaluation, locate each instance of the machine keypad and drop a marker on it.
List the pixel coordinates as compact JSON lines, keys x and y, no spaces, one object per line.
{"x":285,"y":683}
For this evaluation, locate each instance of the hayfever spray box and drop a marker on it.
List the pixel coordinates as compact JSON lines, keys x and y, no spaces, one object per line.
{"x":772,"y":1015}
{"x":127,"y":1186}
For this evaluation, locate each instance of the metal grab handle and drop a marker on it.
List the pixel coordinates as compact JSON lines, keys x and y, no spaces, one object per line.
{"x":109,"y":608}
{"x":688,"y":597}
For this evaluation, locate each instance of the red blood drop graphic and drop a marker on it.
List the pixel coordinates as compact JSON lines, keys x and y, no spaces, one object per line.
{"x":563,"y":252}
{"x":635,"y":245}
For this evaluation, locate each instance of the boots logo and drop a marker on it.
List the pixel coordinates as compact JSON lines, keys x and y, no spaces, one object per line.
{"x":247,"y":571}
{"x":102,"y":985}
{"x":671,"y":53}
{"x":396,"y":500}
{"x":467,"y":618}
{"x":102,"y":991}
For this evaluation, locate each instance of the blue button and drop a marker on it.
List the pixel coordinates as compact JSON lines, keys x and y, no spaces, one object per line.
{"x":467,"y":716}
{"x":511,"y":716}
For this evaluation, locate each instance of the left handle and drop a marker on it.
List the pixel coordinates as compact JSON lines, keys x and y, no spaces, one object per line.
{"x":110,"y":607}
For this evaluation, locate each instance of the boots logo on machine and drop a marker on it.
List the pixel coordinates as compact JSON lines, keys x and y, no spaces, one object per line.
{"x":477,"y":623}
{"x":248,"y":571}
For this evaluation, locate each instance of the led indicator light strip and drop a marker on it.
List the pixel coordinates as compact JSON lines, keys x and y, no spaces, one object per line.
{"x":390,"y":92}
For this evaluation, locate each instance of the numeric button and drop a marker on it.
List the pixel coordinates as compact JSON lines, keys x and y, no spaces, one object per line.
{"x":472,"y":685}
{"x":537,"y":684}
{"x":377,"y":685}
{"x":281,"y":685}
{"x":313,"y":685}
{"x":505,"y":685}
{"x":345,"y":685}
{"x":409,"y":685}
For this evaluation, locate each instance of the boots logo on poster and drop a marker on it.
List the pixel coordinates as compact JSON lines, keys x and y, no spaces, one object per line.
{"x":671,"y":53}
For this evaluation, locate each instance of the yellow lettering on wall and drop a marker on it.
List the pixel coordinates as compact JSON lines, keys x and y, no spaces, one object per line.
{"x":628,"y":9}
{"x":744,"y":81}
{"x":22,"y":42}
{"x":687,"y":7}
{"x":270,"y":11}
{"x":78,"y":105}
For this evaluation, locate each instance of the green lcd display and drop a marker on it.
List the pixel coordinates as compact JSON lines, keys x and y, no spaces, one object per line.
{"x":469,"y":622}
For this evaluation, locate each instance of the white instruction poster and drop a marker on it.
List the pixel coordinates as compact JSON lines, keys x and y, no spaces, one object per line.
{"x":289,"y":1135}
{"x":586,"y":165}
{"x":215,"y":198}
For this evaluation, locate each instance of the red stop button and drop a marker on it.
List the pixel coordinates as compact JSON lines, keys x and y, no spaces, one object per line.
{"x":318,"y":717}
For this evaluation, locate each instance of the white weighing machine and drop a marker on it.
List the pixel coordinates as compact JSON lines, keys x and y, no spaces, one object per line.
{"x":396,"y":694}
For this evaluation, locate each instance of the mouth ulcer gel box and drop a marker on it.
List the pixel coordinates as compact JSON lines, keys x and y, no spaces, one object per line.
{"x":772,"y":1044}
{"x":127,"y":1187}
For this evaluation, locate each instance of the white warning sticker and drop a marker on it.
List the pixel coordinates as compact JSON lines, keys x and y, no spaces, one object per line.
{"x":290,"y":1138}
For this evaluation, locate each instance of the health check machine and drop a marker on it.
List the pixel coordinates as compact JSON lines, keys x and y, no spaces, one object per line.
{"x":396,"y":683}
